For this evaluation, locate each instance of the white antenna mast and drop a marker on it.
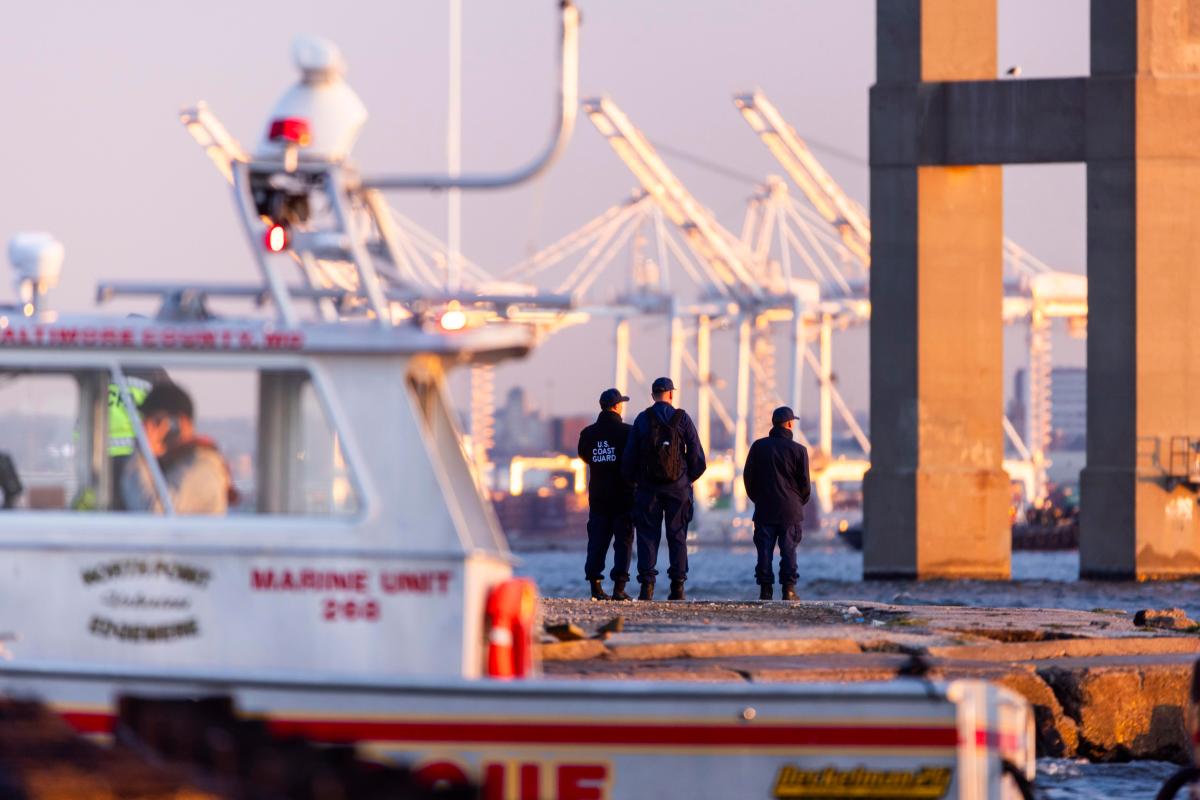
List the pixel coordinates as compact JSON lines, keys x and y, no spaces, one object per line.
{"x":454,"y":149}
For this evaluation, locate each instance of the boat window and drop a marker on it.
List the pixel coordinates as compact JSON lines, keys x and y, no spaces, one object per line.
{"x":256,"y":442}
{"x":301,"y":466}
{"x":53,"y":435}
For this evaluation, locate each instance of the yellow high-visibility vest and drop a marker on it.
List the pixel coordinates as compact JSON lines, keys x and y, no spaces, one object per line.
{"x":121,"y":438}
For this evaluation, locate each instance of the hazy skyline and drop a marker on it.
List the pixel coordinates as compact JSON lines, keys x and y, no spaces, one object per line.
{"x":95,"y":153}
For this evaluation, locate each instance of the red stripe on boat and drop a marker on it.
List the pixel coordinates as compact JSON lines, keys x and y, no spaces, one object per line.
{"x":996,"y":740}
{"x":344,"y":731}
{"x":619,"y":734}
{"x":89,"y":722}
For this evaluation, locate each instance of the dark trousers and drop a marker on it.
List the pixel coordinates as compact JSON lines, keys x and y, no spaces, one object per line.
{"x":765,"y":539}
{"x":603,"y":529}
{"x":651,"y":510}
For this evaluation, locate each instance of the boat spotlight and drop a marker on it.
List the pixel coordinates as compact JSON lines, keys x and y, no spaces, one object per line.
{"x":276,"y":238}
{"x":453,"y":318}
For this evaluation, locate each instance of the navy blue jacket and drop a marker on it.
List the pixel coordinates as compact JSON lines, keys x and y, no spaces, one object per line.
{"x":693,"y":455}
{"x":600,"y":446}
{"x":776,"y":478}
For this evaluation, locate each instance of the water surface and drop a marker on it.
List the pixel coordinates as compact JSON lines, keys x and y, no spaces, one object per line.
{"x":830,"y":571}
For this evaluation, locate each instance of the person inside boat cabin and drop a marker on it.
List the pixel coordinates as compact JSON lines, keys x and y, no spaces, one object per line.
{"x":196,"y":474}
{"x":121,"y":441}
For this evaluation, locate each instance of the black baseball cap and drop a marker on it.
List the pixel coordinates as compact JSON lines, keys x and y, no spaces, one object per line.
{"x":781,"y":415}
{"x":662,"y":385}
{"x":167,"y":398}
{"x":610,"y":397}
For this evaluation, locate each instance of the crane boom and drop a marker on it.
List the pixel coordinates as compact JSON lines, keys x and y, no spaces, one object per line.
{"x":826,"y":196}
{"x":731,"y":269}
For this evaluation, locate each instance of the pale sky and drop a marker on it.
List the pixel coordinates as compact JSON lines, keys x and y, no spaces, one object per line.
{"x":94,"y":152}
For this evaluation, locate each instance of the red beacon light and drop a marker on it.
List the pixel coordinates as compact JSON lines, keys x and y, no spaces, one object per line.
{"x":292,"y":130}
{"x":276,"y":238}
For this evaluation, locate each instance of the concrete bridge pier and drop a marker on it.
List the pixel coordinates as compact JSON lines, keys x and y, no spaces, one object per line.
{"x":1143,"y":196}
{"x":941,"y":126}
{"x":936,"y":496}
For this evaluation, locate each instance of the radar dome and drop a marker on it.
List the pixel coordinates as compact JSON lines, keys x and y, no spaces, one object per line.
{"x":36,"y":257}
{"x":317,"y":58}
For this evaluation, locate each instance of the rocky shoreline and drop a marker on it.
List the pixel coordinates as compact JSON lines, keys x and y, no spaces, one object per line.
{"x":1102,"y":687}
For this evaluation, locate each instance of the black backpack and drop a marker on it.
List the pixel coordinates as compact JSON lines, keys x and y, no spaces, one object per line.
{"x":663,"y":462}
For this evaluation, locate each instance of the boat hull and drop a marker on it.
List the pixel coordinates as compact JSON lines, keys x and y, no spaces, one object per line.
{"x":537,"y":739}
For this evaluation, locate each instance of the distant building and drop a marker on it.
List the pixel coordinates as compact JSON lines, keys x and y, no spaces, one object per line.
{"x":1068,"y":406}
{"x":520,"y":430}
{"x":1016,"y":403}
{"x":1068,"y":410}
{"x":566,"y":432}
{"x":719,"y":437}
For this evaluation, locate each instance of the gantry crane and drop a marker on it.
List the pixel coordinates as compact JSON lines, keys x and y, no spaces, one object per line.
{"x":757,"y":288}
{"x":1038,"y":295}
{"x":727,"y":296}
{"x":826,"y":196}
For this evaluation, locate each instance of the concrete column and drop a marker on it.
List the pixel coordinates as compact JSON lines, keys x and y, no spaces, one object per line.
{"x":741,"y":427}
{"x":936,"y":497}
{"x":675,"y":346}
{"x":1143,"y":200}
{"x":704,"y":381}
{"x":621,"y":346}
{"x":796,"y":367}
{"x":826,"y":379}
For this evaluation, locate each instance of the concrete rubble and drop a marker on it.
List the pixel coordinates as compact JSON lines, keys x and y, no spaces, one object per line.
{"x":1174,"y":619}
{"x":1102,"y":687}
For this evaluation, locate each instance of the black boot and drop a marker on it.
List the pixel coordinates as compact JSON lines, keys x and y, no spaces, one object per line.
{"x":647,"y":592}
{"x":789,"y":592}
{"x":598,"y":590}
{"x":619,"y":591}
{"x":765,"y":591}
{"x":677,"y":591}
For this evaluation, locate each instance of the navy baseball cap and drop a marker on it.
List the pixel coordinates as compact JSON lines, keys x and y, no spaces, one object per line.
{"x":661,"y":385}
{"x":610,"y":397}
{"x":781,"y":415}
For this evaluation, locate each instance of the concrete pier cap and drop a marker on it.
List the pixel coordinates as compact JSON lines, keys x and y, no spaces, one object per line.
{"x":942,"y":126}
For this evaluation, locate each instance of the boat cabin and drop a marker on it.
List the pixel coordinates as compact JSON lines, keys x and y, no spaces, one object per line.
{"x":355,"y":542}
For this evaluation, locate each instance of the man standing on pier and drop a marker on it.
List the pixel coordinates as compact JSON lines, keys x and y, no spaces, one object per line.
{"x":610,"y":496}
{"x":777,"y":482}
{"x":664,"y":458}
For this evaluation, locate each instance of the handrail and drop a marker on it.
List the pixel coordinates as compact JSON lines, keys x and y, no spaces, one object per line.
{"x":110,"y":290}
{"x":143,"y":443}
{"x":568,"y":102}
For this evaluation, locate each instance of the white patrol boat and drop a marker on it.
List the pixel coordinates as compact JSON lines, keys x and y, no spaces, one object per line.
{"x":361,"y":590}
